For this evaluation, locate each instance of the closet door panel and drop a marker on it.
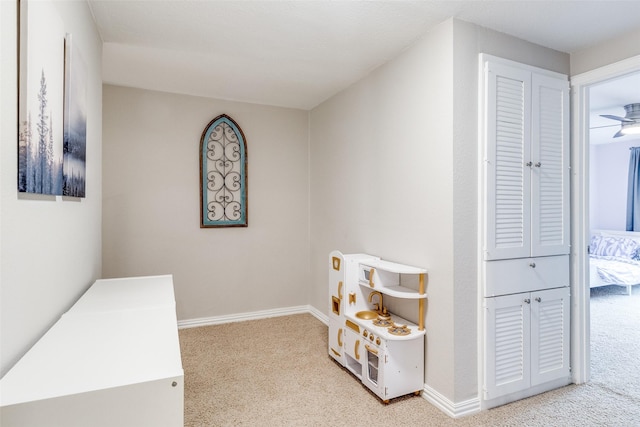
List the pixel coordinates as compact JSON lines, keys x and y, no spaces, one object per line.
{"x":550,"y":171}
{"x":507,"y":349}
{"x":549,"y":335}
{"x":507,"y":192}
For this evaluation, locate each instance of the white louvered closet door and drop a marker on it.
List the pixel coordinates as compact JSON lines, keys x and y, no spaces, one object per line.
{"x":550,"y":171}
{"x":549,"y":335}
{"x":508,"y":148}
{"x":526,"y":164}
{"x":508,"y":344}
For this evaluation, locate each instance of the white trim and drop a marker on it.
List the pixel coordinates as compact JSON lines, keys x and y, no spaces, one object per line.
{"x":256,"y":315}
{"x":318,"y":315}
{"x":607,"y":72}
{"x":580,"y":314}
{"x":523,"y":394}
{"x":484,"y":58}
{"x":453,"y":410}
{"x":480,"y":326}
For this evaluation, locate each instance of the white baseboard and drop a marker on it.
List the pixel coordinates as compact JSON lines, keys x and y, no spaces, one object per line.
{"x":256,"y":315}
{"x":452,"y":409}
{"x":318,"y":315}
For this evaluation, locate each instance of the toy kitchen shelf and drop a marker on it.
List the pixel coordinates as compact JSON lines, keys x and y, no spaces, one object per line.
{"x":385,"y":277}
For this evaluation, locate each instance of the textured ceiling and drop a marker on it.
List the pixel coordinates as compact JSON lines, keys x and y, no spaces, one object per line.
{"x":299,"y":53}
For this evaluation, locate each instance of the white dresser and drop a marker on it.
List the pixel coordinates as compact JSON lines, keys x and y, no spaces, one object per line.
{"x":112,"y":360}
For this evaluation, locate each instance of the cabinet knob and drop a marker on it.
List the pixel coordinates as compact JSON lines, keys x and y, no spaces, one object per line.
{"x":538,"y":164}
{"x":538,"y":299}
{"x":527,"y":301}
{"x":528,"y":164}
{"x":532,"y":265}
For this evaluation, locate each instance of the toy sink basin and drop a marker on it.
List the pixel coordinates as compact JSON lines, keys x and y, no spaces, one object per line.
{"x":367,"y":315}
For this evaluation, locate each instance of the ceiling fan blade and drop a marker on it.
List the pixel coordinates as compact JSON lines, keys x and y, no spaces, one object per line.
{"x":603,"y":126}
{"x":622,"y":119}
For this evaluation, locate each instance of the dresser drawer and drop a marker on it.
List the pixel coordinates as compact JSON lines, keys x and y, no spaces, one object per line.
{"x":525,"y":274}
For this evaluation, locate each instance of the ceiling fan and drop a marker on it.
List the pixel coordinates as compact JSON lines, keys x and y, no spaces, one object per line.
{"x":630,"y":123}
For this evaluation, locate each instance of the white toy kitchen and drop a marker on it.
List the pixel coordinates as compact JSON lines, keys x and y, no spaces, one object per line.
{"x":382,"y":349}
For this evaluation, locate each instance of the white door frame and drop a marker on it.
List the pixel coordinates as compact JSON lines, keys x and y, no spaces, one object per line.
{"x":580,"y":313}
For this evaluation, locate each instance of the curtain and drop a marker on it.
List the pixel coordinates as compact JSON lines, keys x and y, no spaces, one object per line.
{"x":633,"y":191}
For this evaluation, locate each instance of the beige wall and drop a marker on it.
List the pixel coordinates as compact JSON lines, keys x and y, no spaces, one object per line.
{"x":382,"y":181}
{"x":50,"y":248}
{"x":151,"y":203}
{"x":394,"y":170}
{"x":606,"y":53}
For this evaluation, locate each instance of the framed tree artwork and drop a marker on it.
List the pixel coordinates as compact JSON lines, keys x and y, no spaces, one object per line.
{"x":41,"y":78}
{"x":75,"y":121}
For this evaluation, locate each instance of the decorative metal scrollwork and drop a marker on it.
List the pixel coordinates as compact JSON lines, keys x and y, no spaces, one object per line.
{"x":223,"y":174}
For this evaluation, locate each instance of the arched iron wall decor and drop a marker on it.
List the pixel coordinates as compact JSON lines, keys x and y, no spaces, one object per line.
{"x":223,"y":174}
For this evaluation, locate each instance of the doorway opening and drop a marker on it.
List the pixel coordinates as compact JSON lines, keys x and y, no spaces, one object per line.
{"x":614,"y":308}
{"x":585,"y":89}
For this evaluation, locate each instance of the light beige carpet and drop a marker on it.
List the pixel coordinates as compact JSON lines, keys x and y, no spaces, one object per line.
{"x":276,"y":372}
{"x":615,"y":340}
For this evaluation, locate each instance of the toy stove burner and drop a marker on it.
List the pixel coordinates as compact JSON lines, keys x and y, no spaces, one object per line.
{"x":385,"y":323}
{"x":399,"y":330}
